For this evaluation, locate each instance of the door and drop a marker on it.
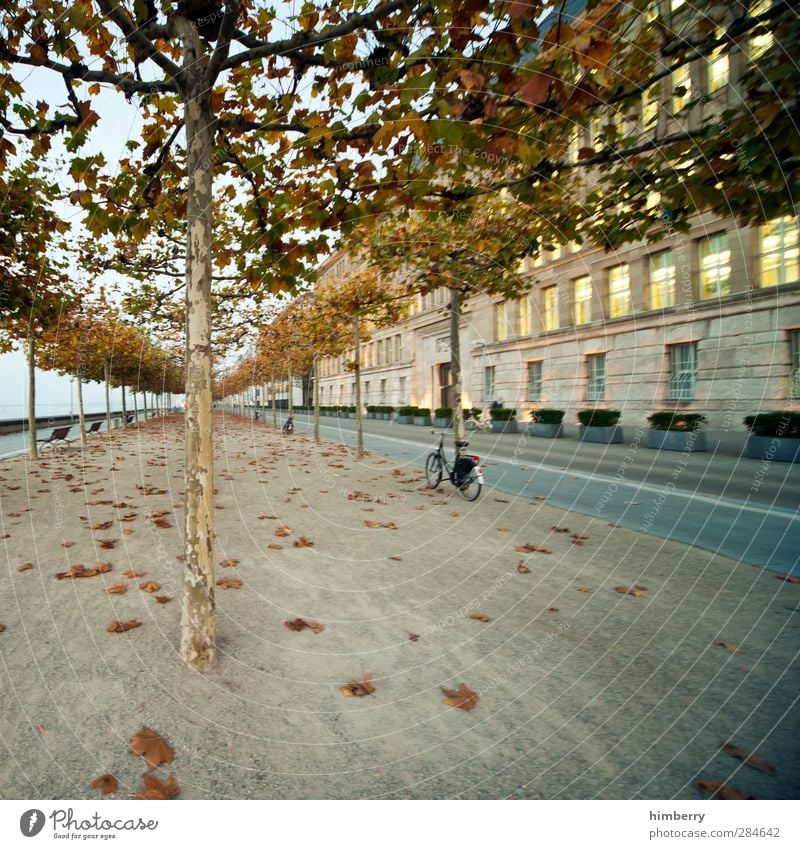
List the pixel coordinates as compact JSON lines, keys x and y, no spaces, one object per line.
{"x":444,"y":385}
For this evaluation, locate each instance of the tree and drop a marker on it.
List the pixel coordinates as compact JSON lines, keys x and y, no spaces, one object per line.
{"x":478,"y":75}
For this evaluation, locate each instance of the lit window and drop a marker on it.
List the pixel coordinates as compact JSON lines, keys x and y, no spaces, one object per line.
{"x":662,"y":280}
{"x":682,"y":371}
{"x":649,"y":107}
{"x":619,"y":291}
{"x":715,"y":266}
{"x":538,"y":259}
{"x":502,"y":321}
{"x":761,"y":42}
{"x":681,"y":88}
{"x":398,"y":348}
{"x":535,"y":381}
{"x":778,"y":257}
{"x":551,"y":308}
{"x":583,"y":300}
{"x":717,"y":69}
{"x":524,"y":306}
{"x":794,"y":365}
{"x":596,"y":389}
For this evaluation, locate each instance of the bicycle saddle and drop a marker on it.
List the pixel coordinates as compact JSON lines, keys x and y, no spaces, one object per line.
{"x":460,"y":444}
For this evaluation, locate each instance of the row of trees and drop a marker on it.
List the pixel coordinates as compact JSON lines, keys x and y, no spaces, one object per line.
{"x":261,"y":135}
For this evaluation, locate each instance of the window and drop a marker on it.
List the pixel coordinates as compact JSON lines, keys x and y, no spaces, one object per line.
{"x":551,"y":308}
{"x":524,"y":314}
{"x":662,"y":280}
{"x":715,"y":266}
{"x":778,"y":252}
{"x":681,"y":88}
{"x":619,"y":291}
{"x":488,"y":384}
{"x":794,"y":365}
{"x":583,"y":300}
{"x":717,"y":69}
{"x":402,"y":398}
{"x":761,"y":42}
{"x":502,"y":321}
{"x":649,"y":107}
{"x":389,"y":350}
{"x":682,"y":371}
{"x":365,"y":399}
{"x":535,"y":381}
{"x":596,"y":390}
{"x":382,"y":399}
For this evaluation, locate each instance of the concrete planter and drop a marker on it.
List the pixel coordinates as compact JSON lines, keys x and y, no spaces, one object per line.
{"x":422,"y":420}
{"x":600,"y":434}
{"x":782,"y":449}
{"x":404,"y":419}
{"x":510,"y":426}
{"x":442,"y":422}
{"x":547,"y":431}
{"x":386,"y":417}
{"x":676,"y":440}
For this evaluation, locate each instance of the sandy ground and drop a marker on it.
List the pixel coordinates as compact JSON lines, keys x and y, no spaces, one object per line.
{"x":584,"y":692}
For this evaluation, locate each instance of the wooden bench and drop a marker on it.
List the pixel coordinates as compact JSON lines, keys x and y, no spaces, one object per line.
{"x":59,"y":435}
{"x":95,"y":428}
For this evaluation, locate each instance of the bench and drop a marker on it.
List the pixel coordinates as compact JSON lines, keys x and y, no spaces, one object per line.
{"x":59,"y":435}
{"x":95,"y":428}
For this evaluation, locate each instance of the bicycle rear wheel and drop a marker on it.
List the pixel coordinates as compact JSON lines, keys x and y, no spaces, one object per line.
{"x":433,"y":470}
{"x":471,"y":488}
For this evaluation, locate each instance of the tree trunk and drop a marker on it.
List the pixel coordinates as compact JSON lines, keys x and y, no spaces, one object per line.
{"x":32,"y":398}
{"x":81,"y":416}
{"x":144,"y":404}
{"x":198,"y":615}
{"x":107,"y":376}
{"x":289,"y":394}
{"x":357,"y":375}
{"x":455,"y":364}
{"x":124,"y":409}
{"x":316,"y":399}
{"x":274,"y":402}
{"x":135,"y":408}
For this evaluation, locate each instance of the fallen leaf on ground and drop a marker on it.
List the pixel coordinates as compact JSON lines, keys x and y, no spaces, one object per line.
{"x":299,"y":624}
{"x":131,"y":573}
{"x":2,"y":627}
{"x":522,"y":568}
{"x":107,"y":543}
{"x":359,"y":688}
{"x":67,"y":544}
{"x":229,"y":583}
{"x":275,"y":546}
{"x":227,"y":564}
{"x":119,"y":588}
{"x":528,"y":547}
{"x":790,"y":579}
{"x":157,"y":790}
{"x":750,"y":758}
{"x":302,"y":542}
{"x":729,"y":646}
{"x":106,"y":784}
{"x":481,"y":617}
{"x":103,"y":526}
{"x":266,"y":516}
{"x":78,"y":571}
{"x":371,"y":523}
{"x":25,"y":567}
{"x":163,"y":599}
{"x":722,"y":790}
{"x":152,"y":747}
{"x":558,"y":530}
{"x":150,"y":587}
{"x":395,"y":557}
{"x":161,"y":522}
{"x":552,"y":609}
{"x":462,"y":698}
{"x":413,"y":637}
{"x":502,"y":500}
{"x":117,"y":627}
{"x":629,"y":590}
{"x":283,"y":531}
{"x":583,"y":589}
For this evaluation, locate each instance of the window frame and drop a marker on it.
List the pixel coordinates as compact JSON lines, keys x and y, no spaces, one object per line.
{"x":794,"y":364}
{"x":668,"y":284}
{"x":614,"y":295}
{"x":705,"y":268}
{"x":501,"y":321}
{"x":552,"y":320}
{"x":596,"y":378}
{"x":787,"y":223}
{"x":584,"y":302}
{"x":534,"y":366}
{"x":682,"y":382}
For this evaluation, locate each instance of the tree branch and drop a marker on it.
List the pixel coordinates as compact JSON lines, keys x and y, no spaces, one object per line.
{"x":227,"y":29}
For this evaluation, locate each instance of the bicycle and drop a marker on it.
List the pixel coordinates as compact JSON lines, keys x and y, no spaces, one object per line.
{"x":464,"y":473}
{"x":477,"y":421}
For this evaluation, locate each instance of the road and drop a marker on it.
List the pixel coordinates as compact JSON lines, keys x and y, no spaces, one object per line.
{"x":742,"y":508}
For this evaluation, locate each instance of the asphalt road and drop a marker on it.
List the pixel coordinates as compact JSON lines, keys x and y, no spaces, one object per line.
{"x":742,"y":508}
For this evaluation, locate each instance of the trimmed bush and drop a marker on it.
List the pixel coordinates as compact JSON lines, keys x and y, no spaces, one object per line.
{"x":599,"y":418}
{"x":669,"y":420}
{"x":443,"y":412}
{"x":421,"y":412}
{"x":407,"y":411}
{"x":547,"y":416}
{"x":781,"y":424}
{"x":502,"y":414}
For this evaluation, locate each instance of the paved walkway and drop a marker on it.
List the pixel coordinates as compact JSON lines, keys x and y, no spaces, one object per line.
{"x":745,"y":509}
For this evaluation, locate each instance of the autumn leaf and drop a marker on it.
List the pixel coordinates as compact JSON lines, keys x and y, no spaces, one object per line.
{"x":283,"y":531}
{"x":634,"y":591}
{"x":552,"y":609}
{"x":106,"y":784}
{"x":558,"y":530}
{"x":463,"y":697}
{"x":299,"y":624}
{"x":107,"y":543}
{"x":583,"y":589}
{"x":163,"y":599}
{"x":131,"y":573}
{"x":302,"y":542}
{"x":534,"y":90}
{"x":722,"y":790}
{"x":413,"y":637}
{"x":157,"y":790}
{"x":750,"y":758}
{"x":230,"y":563}
{"x":103,"y":526}
{"x":118,"y":588}
{"x":2,"y":627}
{"x":275,"y":547}
{"x":162,"y":523}
{"x":152,"y":747}
{"x":102,"y":568}
{"x":25,"y":567}
{"x":522,"y":568}
{"x":359,"y":688}
{"x":229,"y":583}
{"x":528,"y":547}
{"x":81,"y":571}
{"x":481,"y":617}
{"x":395,"y":557}
{"x":729,"y":646}
{"x":790,"y":579}
{"x":67,"y":544}
{"x":150,"y":587}
{"x":117,"y":627}
{"x":371,"y":523}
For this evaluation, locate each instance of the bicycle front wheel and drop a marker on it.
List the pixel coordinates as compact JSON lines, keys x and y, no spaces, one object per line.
{"x":433,"y":470}
{"x":471,"y":488}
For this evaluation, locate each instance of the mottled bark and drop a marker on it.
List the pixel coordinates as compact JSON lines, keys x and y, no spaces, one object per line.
{"x":357,"y":375}
{"x":455,"y":364}
{"x":34,"y":449}
{"x":124,"y":409}
{"x":198,"y":616}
